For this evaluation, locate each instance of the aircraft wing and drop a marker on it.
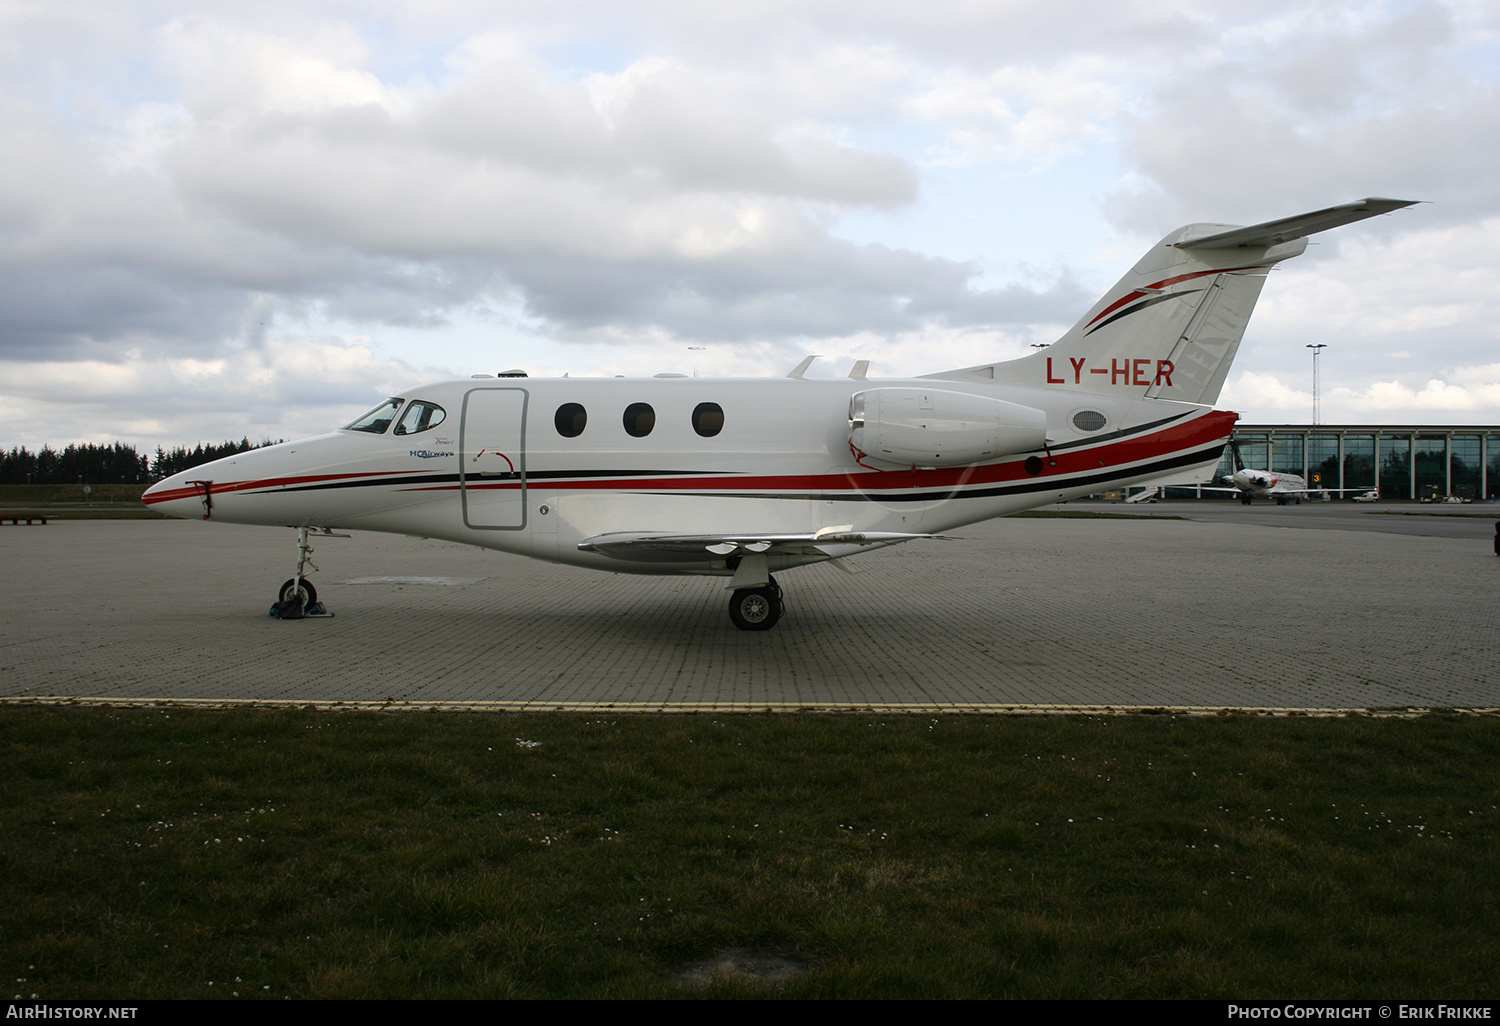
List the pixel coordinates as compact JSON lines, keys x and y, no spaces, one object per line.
{"x":1315,"y":489}
{"x":672,"y":548}
{"x":1312,"y":490}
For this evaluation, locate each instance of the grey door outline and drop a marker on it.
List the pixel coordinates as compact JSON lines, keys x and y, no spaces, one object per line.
{"x":464,"y":459}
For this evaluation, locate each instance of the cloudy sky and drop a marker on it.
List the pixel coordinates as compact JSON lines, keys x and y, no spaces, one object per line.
{"x":226,"y":219}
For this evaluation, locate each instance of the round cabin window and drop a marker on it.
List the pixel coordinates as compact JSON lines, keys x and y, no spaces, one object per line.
{"x":571,"y":419}
{"x":708,"y":419}
{"x":640,"y":418}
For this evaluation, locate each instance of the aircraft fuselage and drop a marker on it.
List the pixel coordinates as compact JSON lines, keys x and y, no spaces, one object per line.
{"x":538,"y":466}
{"x":1283,"y":488}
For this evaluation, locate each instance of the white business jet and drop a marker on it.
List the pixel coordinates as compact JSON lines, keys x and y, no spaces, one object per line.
{"x":1264,"y":484}
{"x":743,"y":478}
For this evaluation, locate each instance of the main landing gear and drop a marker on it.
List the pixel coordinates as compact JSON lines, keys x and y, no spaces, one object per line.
{"x":757,"y":609}
{"x":298,"y":598}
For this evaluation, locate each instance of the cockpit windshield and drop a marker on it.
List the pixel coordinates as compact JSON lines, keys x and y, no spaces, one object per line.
{"x":378,"y":419}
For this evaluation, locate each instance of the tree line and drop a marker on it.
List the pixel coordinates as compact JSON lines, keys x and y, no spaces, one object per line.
{"x":108,"y":464}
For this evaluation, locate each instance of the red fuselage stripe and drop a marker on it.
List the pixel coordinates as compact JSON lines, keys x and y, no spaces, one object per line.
{"x":1131,"y":297}
{"x":221,"y":487}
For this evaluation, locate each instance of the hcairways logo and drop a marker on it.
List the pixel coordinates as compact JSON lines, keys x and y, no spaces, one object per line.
{"x":429,"y":454}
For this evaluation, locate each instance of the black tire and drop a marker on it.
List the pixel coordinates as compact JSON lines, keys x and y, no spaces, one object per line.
{"x":308,"y":592}
{"x":755,"y":609}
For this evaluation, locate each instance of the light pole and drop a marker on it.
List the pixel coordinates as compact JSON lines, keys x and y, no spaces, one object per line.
{"x":1317,"y":406}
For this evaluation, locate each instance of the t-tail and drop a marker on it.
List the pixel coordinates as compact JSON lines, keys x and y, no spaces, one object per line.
{"x":1236,"y":459}
{"x":1234,"y":449}
{"x":1170,"y":328}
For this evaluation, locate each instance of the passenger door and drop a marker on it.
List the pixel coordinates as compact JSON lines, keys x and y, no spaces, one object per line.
{"x":492,"y":459}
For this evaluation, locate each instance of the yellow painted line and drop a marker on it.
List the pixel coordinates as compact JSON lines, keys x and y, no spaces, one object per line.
{"x":897,"y":708}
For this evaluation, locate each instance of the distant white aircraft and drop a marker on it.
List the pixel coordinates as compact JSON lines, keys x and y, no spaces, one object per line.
{"x":740,"y":478}
{"x":1281,"y":487}
{"x":1250,"y":484}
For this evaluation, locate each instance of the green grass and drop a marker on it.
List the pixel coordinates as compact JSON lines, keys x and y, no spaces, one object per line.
{"x":71,"y":494}
{"x":1080,"y":514}
{"x":1430,"y":513}
{"x":87,"y":513}
{"x":67,"y":502}
{"x":177,"y":853}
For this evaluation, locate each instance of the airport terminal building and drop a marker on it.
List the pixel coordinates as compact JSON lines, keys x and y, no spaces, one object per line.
{"x":1402,"y":462}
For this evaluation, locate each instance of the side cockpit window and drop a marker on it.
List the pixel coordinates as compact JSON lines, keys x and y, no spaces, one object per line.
{"x":420,"y":416}
{"x":378,"y":419}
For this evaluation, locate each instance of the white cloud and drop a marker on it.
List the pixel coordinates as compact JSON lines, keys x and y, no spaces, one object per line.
{"x":289,"y":387}
{"x":625,"y":180}
{"x":1469,"y":395}
{"x":1248,"y":390}
{"x":231,"y":68}
{"x":1034,"y":115}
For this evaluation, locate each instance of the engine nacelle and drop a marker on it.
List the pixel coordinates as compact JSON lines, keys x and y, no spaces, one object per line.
{"x":934,"y":428}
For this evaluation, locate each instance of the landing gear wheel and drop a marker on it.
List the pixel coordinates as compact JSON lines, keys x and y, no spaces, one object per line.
{"x":756,"y":609}
{"x":308,"y":593}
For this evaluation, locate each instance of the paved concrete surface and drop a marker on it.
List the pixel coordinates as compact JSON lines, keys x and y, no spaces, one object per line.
{"x":1221,"y":611}
{"x":1466,"y":520}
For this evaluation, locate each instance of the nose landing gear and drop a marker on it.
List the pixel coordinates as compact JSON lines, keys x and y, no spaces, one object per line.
{"x":298,"y":598}
{"x":301,"y":590}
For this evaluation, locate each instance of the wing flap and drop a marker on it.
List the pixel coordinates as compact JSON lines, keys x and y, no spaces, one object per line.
{"x":684,"y":548}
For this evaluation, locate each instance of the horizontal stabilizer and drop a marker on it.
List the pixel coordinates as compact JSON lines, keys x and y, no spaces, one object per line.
{"x":1274,"y":233}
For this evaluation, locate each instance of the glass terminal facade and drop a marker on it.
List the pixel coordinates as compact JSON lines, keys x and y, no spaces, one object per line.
{"x":1420,"y":462}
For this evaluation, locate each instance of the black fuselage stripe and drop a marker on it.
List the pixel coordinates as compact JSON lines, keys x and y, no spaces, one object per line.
{"x":1038,"y":484}
{"x":1137,"y":308}
{"x":1115,"y":435}
{"x":431,"y":480}
{"x":440,"y":479}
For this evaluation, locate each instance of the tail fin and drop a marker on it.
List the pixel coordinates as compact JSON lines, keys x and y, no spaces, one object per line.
{"x":1170,"y":328}
{"x":1234,"y":448}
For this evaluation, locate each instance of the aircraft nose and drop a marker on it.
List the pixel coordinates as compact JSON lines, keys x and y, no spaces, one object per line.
{"x":175,"y":497}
